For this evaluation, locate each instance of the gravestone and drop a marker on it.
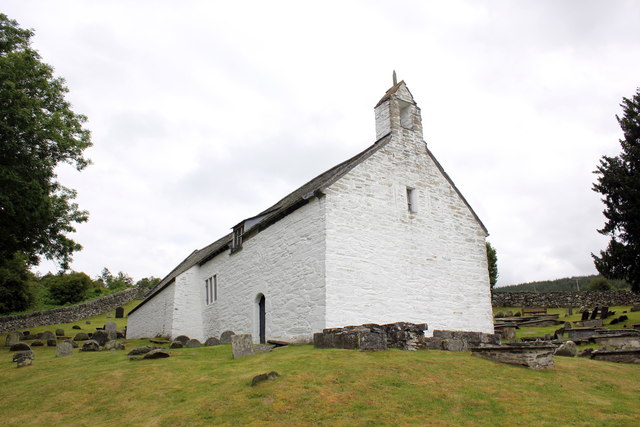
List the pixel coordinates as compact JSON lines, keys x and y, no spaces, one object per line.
{"x":176,"y":344}
{"x":90,"y":345}
{"x":156,"y":354}
{"x":111,"y":328}
{"x":27,"y":353}
{"x":119,"y":312}
{"x":594,"y":313}
{"x":102,"y":337}
{"x":193,"y":343}
{"x":211,"y":341}
{"x":182,"y":339}
{"x":142,"y":350}
{"x":81,"y":336}
{"x":59,"y":332}
{"x":76,"y":327}
{"x":241,"y":345}
{"x":52,"y":343}
{"x":13,"y":338}
{"x":65,"y":348}
{"x":47,"y":335}
{"x":24,"y":359}
{"x":114,"y":345}
{"x":604,"y":313}
{"x":570,"y":311}
{"x":585,"y":315}
{"x":568,"y":349}
{"x":225,"y":338}
{"x":20,"y":346}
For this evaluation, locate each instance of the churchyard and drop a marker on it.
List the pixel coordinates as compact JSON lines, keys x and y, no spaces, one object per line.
{"x":207,"y":386}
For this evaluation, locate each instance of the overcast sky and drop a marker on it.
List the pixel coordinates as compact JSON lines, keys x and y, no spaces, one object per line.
{"x":205,"y":113}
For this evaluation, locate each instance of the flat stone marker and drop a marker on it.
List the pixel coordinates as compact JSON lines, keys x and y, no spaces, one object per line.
{"x":119,"y":312}
{"x":65,"y":348}
{"x":241,"y":345}
{"x":156,"y":354}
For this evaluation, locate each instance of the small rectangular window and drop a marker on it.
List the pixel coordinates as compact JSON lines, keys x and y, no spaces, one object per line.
{"x":211,"y":289}
{"x":236,"y":245}
{"x":411,"y":200}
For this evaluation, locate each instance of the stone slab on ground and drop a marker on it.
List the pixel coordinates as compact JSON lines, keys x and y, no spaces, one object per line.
{"x":530,"y":356}
{"x":242,"y":345}
{"x":618,"y":356}
{"x":158,"y":353}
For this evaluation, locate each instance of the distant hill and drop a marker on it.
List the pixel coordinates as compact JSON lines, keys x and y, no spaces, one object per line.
{"x":566,"y":284}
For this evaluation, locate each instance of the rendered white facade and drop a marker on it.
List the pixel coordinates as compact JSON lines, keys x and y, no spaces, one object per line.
{"x":385,"y":237}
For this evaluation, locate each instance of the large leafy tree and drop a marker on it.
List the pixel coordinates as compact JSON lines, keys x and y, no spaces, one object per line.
{"x":38,"y":131}
{"x":492,"y":261}
{"x":618,"y":180}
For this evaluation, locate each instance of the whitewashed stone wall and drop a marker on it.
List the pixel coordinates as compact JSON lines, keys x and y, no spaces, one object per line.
{"x":285,"y":263}
{"x":187,"y":312}
{"x":153,"y":318}
{"x":385,"y":264}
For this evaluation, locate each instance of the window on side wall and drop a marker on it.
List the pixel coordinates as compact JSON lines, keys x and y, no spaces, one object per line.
{"x":211,"y":289}
{"x":236,"y":245}
{"x":412,"y":200}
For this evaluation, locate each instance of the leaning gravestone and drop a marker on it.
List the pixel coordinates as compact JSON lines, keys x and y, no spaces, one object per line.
{"x":225,"y":338}
{"x":65,"y":348}
{"x":193,"y":343}
{"x":119,"y":312}
{"x":594,"y":313}
{"x":585,"y":315}
{"x":13,"y":338}
{"x":241,"y":345}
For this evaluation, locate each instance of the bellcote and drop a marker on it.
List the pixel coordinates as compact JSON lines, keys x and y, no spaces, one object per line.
{"x":397,"y":113}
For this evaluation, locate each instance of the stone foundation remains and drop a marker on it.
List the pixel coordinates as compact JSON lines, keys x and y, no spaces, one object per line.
{"x":373,"y":337}
{"x":460,"y":340}
{"x":534,"y":356}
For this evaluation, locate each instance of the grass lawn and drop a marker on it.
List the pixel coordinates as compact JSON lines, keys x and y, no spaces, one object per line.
{"x":204,"y":386}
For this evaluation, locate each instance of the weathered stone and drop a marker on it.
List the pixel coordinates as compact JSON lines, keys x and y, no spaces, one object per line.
{"x":635,"y":308}
{"x":114,"y":345}
{"x":111,"y":328}
{"x":119,"y":312}
{"x":225,"y":338}
{"x":74,"y":344}
{"x":585,"y":353}
{"x":183,"y":339}
{"x":81,"y":336}
{"x":24,"y":360}
{"x":264,"y":377}
{"x":52,"y":343}
{"x":23,"y":354}
{"x":20,"y":346}
{"x":193,"y":343}
{"x":142,"y":350}
{"x":241,"y":345}
{"x":59,"y":332}
{"x":65,"y":348}
{"x":531,"y":356}
{"x":372,"y":341}
{"x":211,"y":341}
{"x":13,"y":338}
{"x":585,"y":316}
{"x":37,"y":343}
{"x":618,"y":356}
{"x":101,"y":337}
{"x":454,"y":345}
{"x":76,"y":327}
{"x":47,"y":335}
{"x":156,"y":354}
{"x":568,"y":349}
{"x":176,"y":344}
{"x":90,"y":345}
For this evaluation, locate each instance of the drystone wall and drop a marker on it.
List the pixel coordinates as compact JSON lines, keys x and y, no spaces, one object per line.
{"x":565,"y":299}
{"x":71,"y":313}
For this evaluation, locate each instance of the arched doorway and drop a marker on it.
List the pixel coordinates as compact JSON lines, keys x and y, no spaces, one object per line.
{"x":262,"y":318}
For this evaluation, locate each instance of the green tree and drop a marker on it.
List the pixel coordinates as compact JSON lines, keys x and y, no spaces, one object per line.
{"x":492,"y":261}
{"x":618,"y":180}
{"x":599,"y":284}
{"x":69,"y":288}
{"x":15,"y":281}
{"x":115,"y":283}
{"x":148,"y":282}
{"x":38,"y":131}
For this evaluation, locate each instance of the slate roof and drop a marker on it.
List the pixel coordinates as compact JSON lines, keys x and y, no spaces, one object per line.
{"x":281,"y":208}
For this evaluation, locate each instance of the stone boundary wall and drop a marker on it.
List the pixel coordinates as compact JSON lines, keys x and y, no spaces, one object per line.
{"x":71,"y":313}
{"x":565,"y":299}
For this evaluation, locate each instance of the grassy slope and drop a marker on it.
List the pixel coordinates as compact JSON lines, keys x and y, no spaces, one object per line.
{"x":205,"y":386}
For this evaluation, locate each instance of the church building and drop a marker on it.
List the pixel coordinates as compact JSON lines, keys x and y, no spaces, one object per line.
{"x":383,"y":237}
